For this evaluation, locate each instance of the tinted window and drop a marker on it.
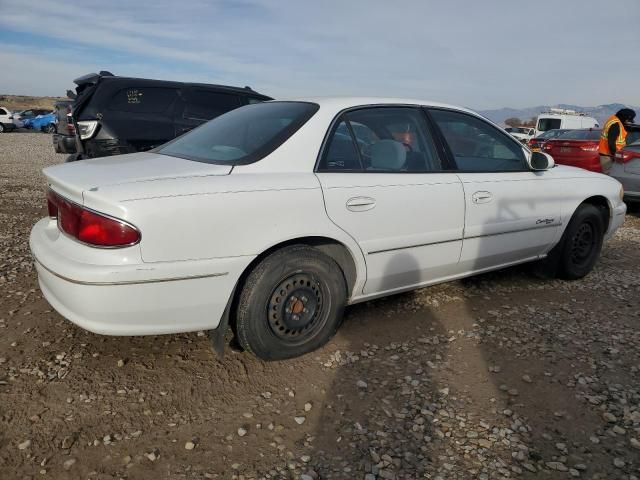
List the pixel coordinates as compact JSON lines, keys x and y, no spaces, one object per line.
{"x":143,"y":99}
{"x":551,"y":134}
{"x":3,"y":111}
{"x":205,"y":105}
{"x":580,"y":135}
{"x":386,"y":139}
{"x":545,"y":124}
{"x":244,"y":135}
{"x":478,"y":146}
{"x":341,"y":153}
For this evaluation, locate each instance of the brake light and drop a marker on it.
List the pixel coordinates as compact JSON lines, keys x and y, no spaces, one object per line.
{"x":90,"y":227}
{"x":590,"y":147}
{"x":625,"y":156}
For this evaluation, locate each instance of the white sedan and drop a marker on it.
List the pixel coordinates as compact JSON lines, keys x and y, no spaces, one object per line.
{"x":272,"y":218}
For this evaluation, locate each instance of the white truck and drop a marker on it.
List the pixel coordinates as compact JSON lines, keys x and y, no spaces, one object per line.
{"x":559,"y":118}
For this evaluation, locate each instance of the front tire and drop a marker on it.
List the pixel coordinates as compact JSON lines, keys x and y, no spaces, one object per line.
{"x":291,"y":303}
{"x":51,"y":128}
{"x":1,"y":128}
{"x":578,"y":250}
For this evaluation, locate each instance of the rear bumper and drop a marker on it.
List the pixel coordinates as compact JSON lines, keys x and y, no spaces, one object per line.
{"x":131,"y":298}
{"x":64,"y":143}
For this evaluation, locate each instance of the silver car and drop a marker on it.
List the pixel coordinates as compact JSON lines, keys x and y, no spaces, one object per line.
{"x":626,"y":169}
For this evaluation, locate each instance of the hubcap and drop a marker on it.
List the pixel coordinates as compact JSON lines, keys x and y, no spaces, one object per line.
{"x":296,"y":308}
{"x":582,"y":243}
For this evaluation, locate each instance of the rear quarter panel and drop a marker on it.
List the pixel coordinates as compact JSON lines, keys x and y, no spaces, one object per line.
{"x":223,"y":216}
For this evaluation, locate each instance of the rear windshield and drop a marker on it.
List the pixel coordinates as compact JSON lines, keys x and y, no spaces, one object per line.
{"x":552,"y":133}
{"x":580,"y":135}
{"x":545,"y":124}
{"x":242,"y":136}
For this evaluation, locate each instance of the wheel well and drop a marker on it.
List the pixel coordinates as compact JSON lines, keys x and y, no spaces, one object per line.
{"x":332,"y":248}
{"x":601,"y":204}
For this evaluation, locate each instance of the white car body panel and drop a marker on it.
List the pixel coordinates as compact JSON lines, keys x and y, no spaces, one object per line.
{"x":203,"y":225}
{"x":418,"y":239}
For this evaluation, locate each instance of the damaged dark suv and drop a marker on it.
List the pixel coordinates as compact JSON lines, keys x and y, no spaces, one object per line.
{"x":116,"y":115}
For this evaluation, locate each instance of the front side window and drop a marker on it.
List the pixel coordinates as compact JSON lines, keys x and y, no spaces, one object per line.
{"x":381,"y":139}
{"x":478,"y":146}
{"x":241,"y":136}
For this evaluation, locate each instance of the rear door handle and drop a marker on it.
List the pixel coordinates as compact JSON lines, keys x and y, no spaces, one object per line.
{"x":360,"y":204}
{"x":482,"y":197}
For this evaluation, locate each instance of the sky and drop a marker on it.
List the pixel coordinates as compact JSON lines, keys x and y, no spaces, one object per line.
{"x":481,"y":54}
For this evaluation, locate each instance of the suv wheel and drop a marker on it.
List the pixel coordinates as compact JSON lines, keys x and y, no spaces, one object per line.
{"x":291,"y":303}
{"x":1,"y":128}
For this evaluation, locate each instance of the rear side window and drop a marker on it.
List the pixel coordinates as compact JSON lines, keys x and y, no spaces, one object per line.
{"x":143,"y":99}
{"x":205,"y":105}
{"x":383,"y":139}
{"x":3,"y":111}
{"x":244,"y":135}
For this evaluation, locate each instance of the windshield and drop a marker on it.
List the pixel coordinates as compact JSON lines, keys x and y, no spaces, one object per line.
{"x":580,"y":135}
{"x":545,"y":124}
{"x":242,"y":136}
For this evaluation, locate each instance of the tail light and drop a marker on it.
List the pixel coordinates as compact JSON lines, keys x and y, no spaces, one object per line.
{"x":625,"y":156}
{"x":592,"y":147}
{"x":547,"y":146}
{"x":90,"y":227}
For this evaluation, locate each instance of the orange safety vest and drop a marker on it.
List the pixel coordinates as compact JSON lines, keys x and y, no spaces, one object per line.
{"x":621,"y":141}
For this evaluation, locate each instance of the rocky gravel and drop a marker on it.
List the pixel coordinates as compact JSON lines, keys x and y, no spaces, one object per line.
{"x":502,"y":376}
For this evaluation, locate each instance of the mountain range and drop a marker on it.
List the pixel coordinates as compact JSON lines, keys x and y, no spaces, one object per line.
{"x":600,"y":113}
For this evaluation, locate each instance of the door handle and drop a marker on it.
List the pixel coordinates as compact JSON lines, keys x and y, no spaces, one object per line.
{"x":360,"y":204}
{"x":482,"y":197}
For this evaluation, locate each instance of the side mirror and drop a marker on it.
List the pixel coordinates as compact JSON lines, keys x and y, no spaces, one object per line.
{"x":540,"y":161}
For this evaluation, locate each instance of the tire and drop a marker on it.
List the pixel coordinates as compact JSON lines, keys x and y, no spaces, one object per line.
{"x":74,"y":157}
{"x":51,"y":128}
{"x":291,"y":303}
{"x":1,"y":128}
{"x":578,"y":250}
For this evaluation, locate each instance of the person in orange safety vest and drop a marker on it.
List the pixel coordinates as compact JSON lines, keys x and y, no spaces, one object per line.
{"x":614,"y":136}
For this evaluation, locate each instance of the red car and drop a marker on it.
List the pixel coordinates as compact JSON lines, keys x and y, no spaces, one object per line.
{"x":577,"y":148}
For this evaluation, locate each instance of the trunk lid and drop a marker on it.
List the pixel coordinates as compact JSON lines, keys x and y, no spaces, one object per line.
{"x":72,"y":179}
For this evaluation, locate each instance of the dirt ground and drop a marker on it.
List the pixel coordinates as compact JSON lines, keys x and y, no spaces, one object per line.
{"x":17,"y":103}
{"x":495,"y":377}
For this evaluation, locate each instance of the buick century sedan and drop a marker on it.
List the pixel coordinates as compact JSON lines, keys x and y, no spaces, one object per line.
{"x":272,"y":218}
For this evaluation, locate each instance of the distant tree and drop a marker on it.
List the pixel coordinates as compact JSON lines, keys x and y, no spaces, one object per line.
{"x":529,"y":123}
{"x":513,"y":122}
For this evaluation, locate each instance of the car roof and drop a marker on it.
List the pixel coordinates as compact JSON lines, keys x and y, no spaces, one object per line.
{"x":141,"y":82}
{"x":342,"y":103}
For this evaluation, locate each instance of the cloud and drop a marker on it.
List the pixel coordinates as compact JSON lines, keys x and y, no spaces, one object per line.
{"x":482,"y":54}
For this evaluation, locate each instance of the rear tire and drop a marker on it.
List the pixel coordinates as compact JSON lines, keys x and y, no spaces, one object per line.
{"x":578,"y":250}
{"x":1,"y":128}
{"x":51,"y":128}
{"x":291,"y":303}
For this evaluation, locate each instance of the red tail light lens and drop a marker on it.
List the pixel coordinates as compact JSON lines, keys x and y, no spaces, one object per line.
{"x":90,"y":227}
{"x":593,"y":147}
{"x":626,"y":156}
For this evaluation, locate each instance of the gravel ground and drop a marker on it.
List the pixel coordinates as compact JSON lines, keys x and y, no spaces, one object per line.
{"x":497,"y":377}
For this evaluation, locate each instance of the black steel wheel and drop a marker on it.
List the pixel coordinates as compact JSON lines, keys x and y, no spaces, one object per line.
{"x":290,"y":304}
{"x":582,"y":241}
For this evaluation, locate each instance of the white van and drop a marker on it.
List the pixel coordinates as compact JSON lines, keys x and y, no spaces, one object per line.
{"x":557,"y":118}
